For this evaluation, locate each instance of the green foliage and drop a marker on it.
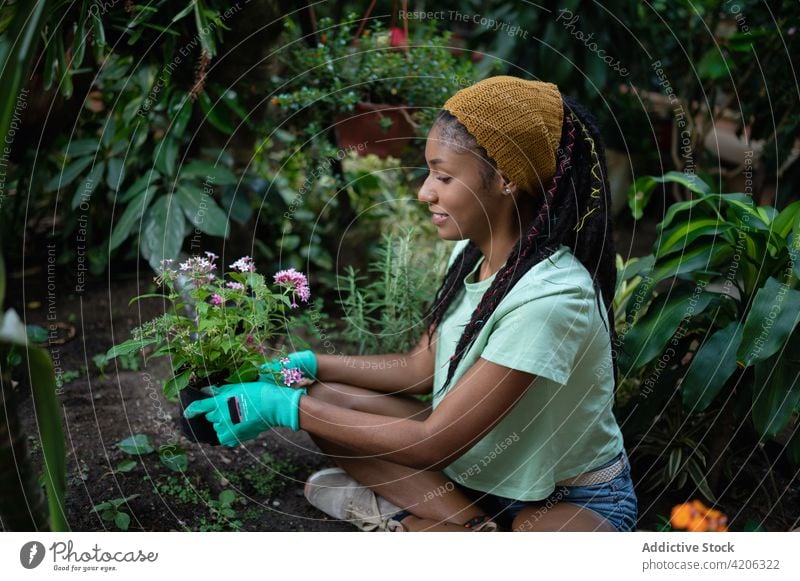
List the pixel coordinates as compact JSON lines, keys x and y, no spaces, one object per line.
{"x":171,"y":455}
{"x":713,"y":310}
{"x":216,"y":328}
{"x":223,"y":515}
{"x":115,"y":510}
{"x":330,"y":78}
{"x":267,"y":478}
{"x":385,"y":314}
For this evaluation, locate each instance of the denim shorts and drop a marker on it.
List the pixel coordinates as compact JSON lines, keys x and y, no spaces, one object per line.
{"x":614,"y":500}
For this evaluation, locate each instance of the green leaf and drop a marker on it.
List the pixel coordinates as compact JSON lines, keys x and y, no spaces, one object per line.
{"x":89,"y":185}
{"x":65,"y":178}
{"x":136,"y":444}
{"x":693,"y":183}
{"x":215,"y":175}
{"x":226,"y":497}
{"x":648,"y":338}
{"x":674,"y":463}
{"x":122,"y":520}
{"x":641,"y":191}
{"x":147,"y":182}
{"x":162,"y":232}
{"x":174,"y":457}
{"x":128,"y":347}
{"x":244,"y":374}
{"x":776,"y":389}
{"x":217,"y":116}
{"x":48,"y":418}
{"x":36,"y":334}
{"x":711,"y":367}
{"x":703,"y":258}
{"x":176,"y":383}
{"x":676,"y":209}
{"x":185,"y":11}
{"x":182,"y":116}
{"x":782,"y":225}
{"x":202,"y":211}
{"x":133,"y":215}
{"x":699,"y":478}
{"x":772,"y":318}
{"x":166,"y":155}
{"x":236,"y":205}
{"x":684,"y":234}
{"x":82,"y":147}
{"x":713,"y":65}
{"x":639,"y":195}
{"x":126,"y":465}
{"x":114,"y":176}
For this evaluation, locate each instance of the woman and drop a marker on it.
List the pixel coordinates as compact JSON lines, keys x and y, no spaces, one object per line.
{"x":520,"y":434}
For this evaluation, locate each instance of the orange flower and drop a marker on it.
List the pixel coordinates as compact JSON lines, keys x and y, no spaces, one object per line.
{"x":680,"y":516}
{"x":323,"y":38}
{"x":694,"y":516}
{"x":698,"y":524}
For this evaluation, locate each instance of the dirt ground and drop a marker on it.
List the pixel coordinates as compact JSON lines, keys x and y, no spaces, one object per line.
{"x":266,"y":476}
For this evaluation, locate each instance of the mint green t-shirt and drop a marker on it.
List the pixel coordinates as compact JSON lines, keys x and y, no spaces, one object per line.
{"x":548,"y":325}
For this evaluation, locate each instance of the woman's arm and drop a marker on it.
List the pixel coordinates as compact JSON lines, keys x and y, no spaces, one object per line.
{"x":409,"y":373}
{"x":482,"y":397}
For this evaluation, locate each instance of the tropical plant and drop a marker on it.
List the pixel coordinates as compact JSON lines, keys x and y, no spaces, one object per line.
{"x":18,"y":476}
{"x":217,"y":329}
{"x":708,"y":330}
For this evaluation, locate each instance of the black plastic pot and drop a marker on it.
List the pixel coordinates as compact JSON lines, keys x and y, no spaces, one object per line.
{"x":198,"y":429}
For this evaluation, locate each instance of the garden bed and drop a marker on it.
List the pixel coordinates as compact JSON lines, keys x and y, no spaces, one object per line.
{"x":266,"y":477}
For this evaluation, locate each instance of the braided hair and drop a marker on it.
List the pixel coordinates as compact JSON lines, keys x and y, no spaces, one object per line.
{"x":575,"y":211}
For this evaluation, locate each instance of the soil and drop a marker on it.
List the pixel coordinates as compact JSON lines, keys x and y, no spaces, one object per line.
{"x":99,"y":411}
{"x":266,"y":475}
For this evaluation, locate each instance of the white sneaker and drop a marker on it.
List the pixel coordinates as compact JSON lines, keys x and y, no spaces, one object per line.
{"x":337,"y":494}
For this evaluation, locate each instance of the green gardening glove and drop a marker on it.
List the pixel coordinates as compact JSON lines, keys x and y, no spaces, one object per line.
{"x":241,"y":411}
{"x":304,"y":361}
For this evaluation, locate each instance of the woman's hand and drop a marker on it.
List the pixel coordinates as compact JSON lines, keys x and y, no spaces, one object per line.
{"x":241,"y":411}
{"x":305,"y":361}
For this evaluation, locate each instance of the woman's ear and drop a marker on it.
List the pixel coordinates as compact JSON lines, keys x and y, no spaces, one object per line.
{"x":507,"y":185}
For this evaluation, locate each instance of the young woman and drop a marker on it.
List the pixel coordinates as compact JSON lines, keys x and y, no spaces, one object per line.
{"x":520,"y":434}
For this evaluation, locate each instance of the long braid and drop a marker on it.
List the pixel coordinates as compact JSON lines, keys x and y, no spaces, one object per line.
{"x":578,"y":186}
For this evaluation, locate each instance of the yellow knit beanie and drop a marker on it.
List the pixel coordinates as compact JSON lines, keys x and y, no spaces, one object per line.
{"x":517,"y":122}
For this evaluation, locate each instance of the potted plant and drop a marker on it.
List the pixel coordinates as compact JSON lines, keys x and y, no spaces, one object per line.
{"x":217,"y":329}
{"x":377,"y":91}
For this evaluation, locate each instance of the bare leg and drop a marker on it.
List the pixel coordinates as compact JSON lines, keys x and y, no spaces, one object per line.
{"x":432,"y":498}
{"x":563,"y":516}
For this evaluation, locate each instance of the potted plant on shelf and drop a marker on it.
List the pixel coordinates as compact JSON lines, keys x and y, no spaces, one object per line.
{"x":379,"y":92}
{"x":217,"y":330}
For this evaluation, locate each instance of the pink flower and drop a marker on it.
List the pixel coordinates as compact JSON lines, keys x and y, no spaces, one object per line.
{"x":292,"y":375}
{"x":216,"y":300}
{"x":235,"y":285}
{"x":244,"y":264}
{"x":297,"y":281}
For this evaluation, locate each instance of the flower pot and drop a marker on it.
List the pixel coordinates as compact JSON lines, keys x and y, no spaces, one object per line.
{"x":197,"y":429}
{"x":362,"y":131}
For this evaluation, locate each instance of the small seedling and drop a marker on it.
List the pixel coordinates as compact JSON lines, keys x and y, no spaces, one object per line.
{"x":111,"y":511}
